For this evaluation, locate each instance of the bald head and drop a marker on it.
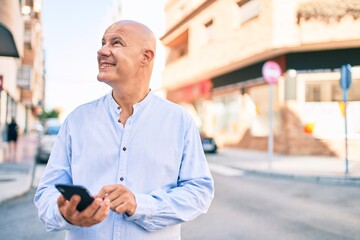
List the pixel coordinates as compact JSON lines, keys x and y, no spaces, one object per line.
{"x":138,"y":30}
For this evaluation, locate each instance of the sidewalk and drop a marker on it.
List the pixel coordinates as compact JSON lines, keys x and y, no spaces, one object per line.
{"x":311,"y":168}
{"x":16,"y":173}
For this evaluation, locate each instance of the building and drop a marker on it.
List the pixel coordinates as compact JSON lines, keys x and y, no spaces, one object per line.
{"x":215,"y":53}
{"x":21,"y":63}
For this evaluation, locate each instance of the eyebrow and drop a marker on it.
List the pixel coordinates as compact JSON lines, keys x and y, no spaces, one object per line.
{"x":114,"y":38}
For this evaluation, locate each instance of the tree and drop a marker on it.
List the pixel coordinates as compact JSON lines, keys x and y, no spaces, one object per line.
{"x":53,"y":113}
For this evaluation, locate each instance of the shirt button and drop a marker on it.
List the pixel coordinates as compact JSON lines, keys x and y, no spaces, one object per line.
{"x":118,"y":108}
{"x":124,"y":148}
{"x":121,"y":179}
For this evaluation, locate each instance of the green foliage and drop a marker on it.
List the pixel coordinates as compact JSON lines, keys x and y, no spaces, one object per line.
{"x":53,"y":113}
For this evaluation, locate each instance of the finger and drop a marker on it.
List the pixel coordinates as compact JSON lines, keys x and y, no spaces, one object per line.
{"x":61,"y":201}
{"x":103,"y":211}
{"x":88,"y":212}
{"x":62,"y":205}
{"x":118,"y":192}
{"x":68,"y":208}
{"x":115,"y":203}
{"x":123,"y":205}
{"x":121,"y":208}
{"x":91,"y":217}
{"x":74,"y":201}
{"x":104,"y":191}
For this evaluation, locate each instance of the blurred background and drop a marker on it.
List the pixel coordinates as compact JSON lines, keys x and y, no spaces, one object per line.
{"x":210,"y":60}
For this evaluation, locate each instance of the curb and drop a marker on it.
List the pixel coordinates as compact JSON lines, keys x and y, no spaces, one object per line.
{"x":307,"y":178}
{"x":17,"y":180}
{"x":17,"y":188}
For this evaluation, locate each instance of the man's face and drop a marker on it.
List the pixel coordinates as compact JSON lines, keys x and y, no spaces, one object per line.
{"x":120,"y":55}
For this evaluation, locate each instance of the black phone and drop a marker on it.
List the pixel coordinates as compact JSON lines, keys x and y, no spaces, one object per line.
{"x":68,"y":190}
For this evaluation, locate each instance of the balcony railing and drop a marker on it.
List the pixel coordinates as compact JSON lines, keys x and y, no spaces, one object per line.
{"x":24,"y":77}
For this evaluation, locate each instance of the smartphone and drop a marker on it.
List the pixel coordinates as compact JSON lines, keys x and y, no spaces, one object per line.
{"x":68,"y":190}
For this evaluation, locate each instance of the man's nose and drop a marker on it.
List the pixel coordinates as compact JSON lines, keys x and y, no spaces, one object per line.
{"x":104,"y":51}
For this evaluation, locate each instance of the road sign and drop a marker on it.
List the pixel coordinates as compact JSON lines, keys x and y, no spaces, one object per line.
{"x":345,"y":80}
{"x":271,"y":72}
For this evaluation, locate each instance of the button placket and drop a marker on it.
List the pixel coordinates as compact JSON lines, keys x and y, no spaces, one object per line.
{"x":124,"y":153}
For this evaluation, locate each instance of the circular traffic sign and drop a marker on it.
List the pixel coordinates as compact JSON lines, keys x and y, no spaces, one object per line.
{"x":271,"y":72}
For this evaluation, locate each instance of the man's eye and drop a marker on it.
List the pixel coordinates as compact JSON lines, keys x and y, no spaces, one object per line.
{"x":117,"y":42}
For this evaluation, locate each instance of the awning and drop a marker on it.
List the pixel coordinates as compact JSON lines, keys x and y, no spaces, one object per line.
{"x":11,"y":29}
{"x":7,"y":43}
{"x":190,"y":92}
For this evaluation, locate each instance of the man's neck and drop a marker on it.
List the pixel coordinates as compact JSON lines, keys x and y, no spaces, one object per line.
{"x":126,"y":100}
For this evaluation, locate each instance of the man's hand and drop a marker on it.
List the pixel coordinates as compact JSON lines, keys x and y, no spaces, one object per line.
{"x":122,"y":200}
{"x":93,"y":214}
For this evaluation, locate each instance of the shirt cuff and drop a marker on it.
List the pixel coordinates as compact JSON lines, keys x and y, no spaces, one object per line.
{"x":146,"y":207}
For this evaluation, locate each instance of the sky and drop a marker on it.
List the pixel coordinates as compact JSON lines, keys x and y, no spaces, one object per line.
{"x":72,"y":32}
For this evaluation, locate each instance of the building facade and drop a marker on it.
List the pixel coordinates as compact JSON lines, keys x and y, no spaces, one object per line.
{"x":215,"y":53}
{"x":22,"y":71}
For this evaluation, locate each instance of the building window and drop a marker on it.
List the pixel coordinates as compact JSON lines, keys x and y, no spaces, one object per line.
{"x":248,"y":9}
{"x":209,"y":26}
{"x":27,"y":36}
{"x":178,"y":47}
{"x":330,"y":91}
{"x":313,"y":92}
{"x":354,"y":90}
{"x":227,"y":111}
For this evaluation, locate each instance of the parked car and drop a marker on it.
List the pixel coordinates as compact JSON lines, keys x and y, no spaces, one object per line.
{"x":208,"y":144}
{"x":37,"y":127}
{"x":47,"y":140}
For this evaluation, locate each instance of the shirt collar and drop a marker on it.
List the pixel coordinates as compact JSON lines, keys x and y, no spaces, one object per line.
{"x":115,"y":108}
{"x":144,"y":102}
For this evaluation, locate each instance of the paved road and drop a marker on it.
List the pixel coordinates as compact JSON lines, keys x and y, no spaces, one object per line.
{"x":19,"y":221}
{"x":253,"y":207}
{"x":245,"y":207}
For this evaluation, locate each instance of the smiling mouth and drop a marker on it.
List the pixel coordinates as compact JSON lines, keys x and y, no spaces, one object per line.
{"x":106,"y":65}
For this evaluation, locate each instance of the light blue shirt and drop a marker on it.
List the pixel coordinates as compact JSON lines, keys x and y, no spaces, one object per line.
{"x":157,"y":155}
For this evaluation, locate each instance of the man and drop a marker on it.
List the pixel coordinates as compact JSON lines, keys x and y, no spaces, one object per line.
{"x":141,"y":154}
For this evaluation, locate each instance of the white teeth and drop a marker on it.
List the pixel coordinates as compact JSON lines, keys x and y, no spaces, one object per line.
{"x":106,"y":65}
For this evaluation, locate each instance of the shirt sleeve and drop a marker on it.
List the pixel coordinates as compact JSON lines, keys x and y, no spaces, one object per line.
{"x":57,"y":171}
{"x":190,"y":198}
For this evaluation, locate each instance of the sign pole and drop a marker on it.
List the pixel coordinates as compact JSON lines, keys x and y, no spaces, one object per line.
{"x":346,"y":140}
{"x":271,"y":137}
{"x":345,"y":82}
{"x":271,"y":72}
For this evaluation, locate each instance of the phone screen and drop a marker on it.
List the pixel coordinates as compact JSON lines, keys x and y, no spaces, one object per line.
{"x":68,"y":190}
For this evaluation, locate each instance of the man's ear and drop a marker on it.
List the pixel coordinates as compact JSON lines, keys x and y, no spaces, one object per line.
{"x":147,"y":56}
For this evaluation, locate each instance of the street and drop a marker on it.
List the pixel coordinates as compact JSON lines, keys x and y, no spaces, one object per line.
{"x":245,"y":207}
{"x":20,"y":222}
{"x":252,"y":207}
